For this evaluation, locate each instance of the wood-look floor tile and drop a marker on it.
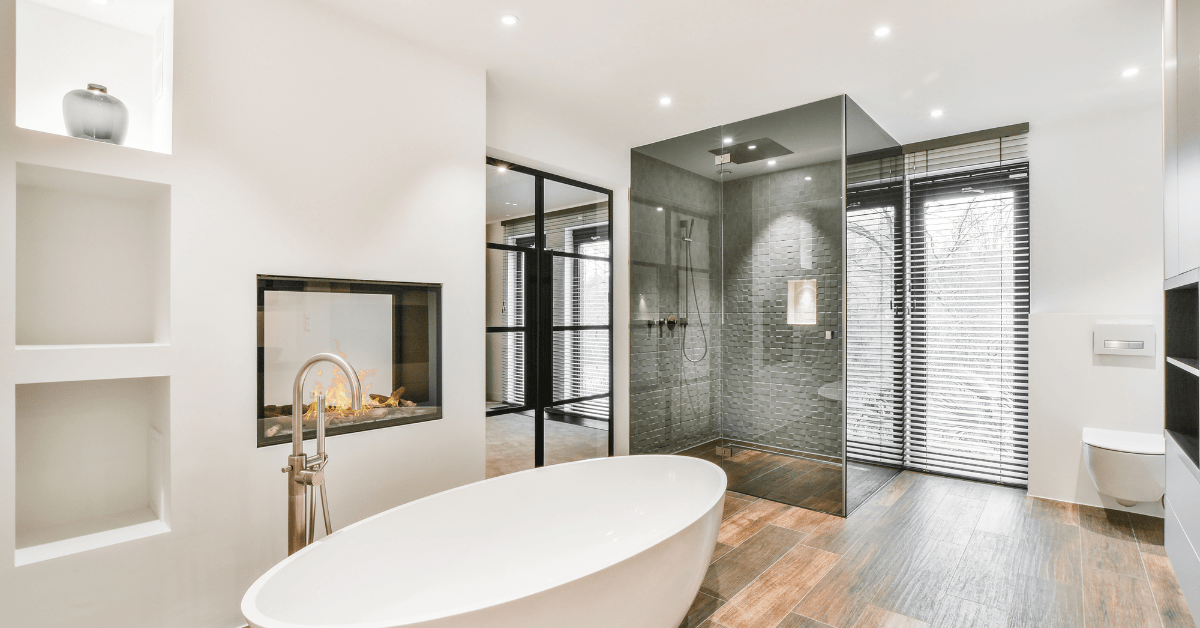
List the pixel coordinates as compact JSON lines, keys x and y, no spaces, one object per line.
{"x":876,"y":617}
{"x":805,"y":465}
{"x":1051,"y":551}
{"x":702,"y":608}
{"x":974,"y":490}
{"x":748,"y":465}
{"x":733,"y":505}
{"x":959,"y":613}
{"x":1004,"y":513}
{"x":734,"y":495}
{"x":1041,"y":603}
{"x":1051,"y":510}
{"x":792,"y":486}
{"x":852,"y":584}
{"x":799,"y":621}
{"x":1172,"y":607}
{"x":919,"y":579}
{"x":769,"y":598}
{"x":729,"y":575}
{"x":801,"y":519}
{"x":1149,"y":533}
{"x":1108,"y":542}
{"x":864,"y":480}
{"x":955,"y":519}
{"x":748,"y":521}
{"x":1116,"y":601}
{"x":987,"y":572}
{"x":720,"y":550}
{"x":838,"y":534}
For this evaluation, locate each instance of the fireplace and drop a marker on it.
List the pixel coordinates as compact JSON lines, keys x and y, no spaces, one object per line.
{"x":390,"y":332}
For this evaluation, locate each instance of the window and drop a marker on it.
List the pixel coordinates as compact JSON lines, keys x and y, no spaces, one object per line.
{"x":938,"y":285}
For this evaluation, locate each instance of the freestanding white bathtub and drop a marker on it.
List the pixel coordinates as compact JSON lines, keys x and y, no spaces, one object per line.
{"x":608,"y":543}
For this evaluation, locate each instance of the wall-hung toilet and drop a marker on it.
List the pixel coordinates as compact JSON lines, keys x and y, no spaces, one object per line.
{"x":1127,"y":466}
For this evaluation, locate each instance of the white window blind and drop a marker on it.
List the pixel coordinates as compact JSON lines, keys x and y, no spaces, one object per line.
{"x":938,"y":366}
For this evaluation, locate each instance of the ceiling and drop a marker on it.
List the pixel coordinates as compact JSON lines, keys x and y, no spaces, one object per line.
{"x":599,"y":68}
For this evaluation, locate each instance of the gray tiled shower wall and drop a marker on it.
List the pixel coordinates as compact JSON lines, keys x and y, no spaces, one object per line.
{"x":761,"y":377}
{"x":674,"y":403}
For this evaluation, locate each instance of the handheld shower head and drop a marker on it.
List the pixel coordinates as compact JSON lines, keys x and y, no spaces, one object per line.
{"x":686,"y":226}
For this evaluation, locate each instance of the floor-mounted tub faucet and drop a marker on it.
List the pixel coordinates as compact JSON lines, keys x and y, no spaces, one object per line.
{"x":306,"y":473}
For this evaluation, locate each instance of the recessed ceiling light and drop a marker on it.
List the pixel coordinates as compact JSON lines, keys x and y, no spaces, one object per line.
{"x":665,"y":100}
{"x":882,"y":31}
{"x":771,"y":163}
{"x":728,"y":140}
{"x":1130,"y":72}
{"x":936,"y":113}
{"x":501,"y":168}
{"x":508,"y":20}
{"x":752,"y":147}
{"x":659,"y":208}
{"x":808,"y":178}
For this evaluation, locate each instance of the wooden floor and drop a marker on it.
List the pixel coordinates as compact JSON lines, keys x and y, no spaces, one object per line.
{"x":931,"y":551}
{"x":796,"y":481}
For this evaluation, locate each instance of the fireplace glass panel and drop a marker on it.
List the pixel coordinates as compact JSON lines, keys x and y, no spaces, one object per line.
{"x":389,"y":332}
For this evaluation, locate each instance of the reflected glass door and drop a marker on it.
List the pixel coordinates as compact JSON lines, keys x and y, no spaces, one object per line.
{"x":549,"y":320}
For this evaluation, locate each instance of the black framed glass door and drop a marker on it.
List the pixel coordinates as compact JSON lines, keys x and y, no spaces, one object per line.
{"x":549,"y":327}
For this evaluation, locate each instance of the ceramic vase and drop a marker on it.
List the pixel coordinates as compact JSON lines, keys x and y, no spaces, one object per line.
{"x":95,"y":114}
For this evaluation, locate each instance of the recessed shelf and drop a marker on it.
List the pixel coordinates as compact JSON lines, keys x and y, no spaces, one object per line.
{"x":127,"y":46}
{"x":92,"y":464}
{"x":93,"y":258}
{"x":1191,"y":365}
{"x":67,"y":363}
{"x":75,"y":539}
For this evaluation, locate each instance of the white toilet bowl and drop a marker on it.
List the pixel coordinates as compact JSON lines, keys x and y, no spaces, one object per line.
{"x":1127,"y":466}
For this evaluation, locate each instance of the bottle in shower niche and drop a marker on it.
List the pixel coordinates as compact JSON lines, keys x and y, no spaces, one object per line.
{"x":94,"y":114}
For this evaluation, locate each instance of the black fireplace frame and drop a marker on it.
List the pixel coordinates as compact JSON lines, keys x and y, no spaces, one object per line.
{"x":279,"y":283}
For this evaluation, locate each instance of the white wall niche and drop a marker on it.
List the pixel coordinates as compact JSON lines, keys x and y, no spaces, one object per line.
{"x":93,"y":259}
{"x":125,"y":45}
{"x":92,"y":464}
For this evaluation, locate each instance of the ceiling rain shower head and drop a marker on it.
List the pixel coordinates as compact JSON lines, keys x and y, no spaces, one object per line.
{"x":764,"y":148}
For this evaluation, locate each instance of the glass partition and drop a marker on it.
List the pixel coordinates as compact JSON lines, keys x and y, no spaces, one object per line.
{"x":739,"y":304}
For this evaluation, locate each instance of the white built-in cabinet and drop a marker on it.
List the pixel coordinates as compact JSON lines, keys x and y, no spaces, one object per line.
{"x":1181,"y":239}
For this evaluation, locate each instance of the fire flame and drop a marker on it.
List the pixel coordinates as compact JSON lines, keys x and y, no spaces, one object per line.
{"x":337,"y":395}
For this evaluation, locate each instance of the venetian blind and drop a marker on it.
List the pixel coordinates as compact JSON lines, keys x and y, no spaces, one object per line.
{"x":938,"y":309}
{"x":967,"y":318}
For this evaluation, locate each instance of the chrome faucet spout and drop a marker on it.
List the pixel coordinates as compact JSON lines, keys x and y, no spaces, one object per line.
{"x":308,"y":474}
{"x":298,"y":399}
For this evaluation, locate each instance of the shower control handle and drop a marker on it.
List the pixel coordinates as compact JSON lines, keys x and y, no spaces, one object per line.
{"x":672,"y":322}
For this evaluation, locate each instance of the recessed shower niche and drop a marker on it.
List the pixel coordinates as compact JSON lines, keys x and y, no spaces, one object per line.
{"x":93,"y":259}
{"x":124,"y":45}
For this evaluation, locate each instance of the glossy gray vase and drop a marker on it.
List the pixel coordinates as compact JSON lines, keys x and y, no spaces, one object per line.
{"x":95,"y":114}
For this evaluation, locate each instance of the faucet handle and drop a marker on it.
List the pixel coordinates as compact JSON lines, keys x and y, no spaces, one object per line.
{"x":310,"y":477}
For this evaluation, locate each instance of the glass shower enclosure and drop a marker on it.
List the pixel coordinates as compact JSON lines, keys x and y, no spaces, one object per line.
{"x":759,"y":342}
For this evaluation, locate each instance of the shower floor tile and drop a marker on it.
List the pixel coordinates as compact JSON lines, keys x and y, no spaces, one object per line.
{"x":802,"y":482}
{"x":890,"y":572}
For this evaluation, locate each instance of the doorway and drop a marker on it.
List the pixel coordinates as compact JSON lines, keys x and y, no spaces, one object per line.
{"x":549,"y":319}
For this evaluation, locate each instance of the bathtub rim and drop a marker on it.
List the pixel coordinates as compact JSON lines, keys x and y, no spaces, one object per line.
{"x":257,"y":618}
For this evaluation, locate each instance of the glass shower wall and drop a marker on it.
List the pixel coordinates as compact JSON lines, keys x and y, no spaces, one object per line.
{"x":675,"y":284}
{"x":874,"y":306}
{"x":738,"y":281}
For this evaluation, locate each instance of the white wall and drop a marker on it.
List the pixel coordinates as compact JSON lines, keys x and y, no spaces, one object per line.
{"x":305,"y":143}
{"x":1096,"y":214}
